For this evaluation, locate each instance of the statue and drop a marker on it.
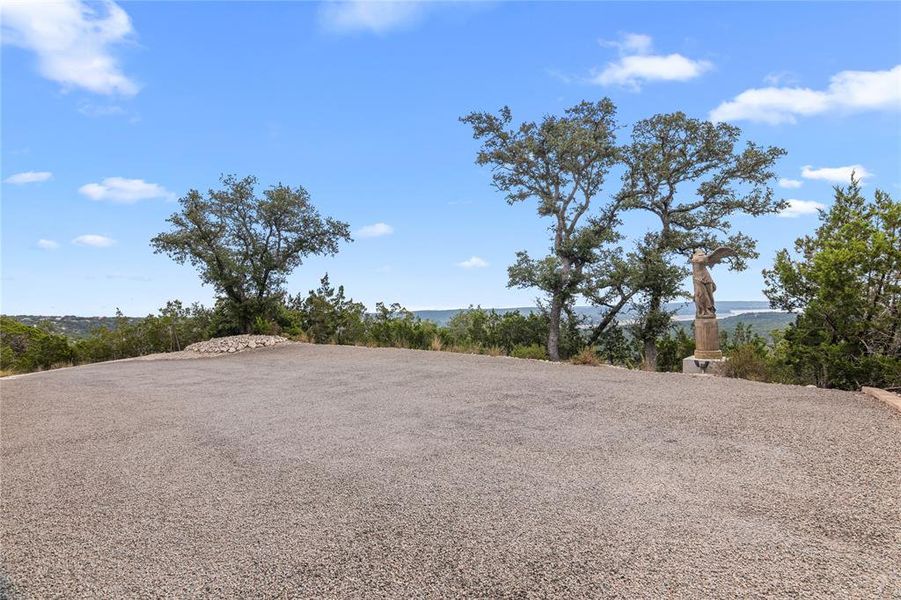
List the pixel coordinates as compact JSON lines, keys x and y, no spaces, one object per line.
{"x":707,"y":338}
{"x":703,"y":282}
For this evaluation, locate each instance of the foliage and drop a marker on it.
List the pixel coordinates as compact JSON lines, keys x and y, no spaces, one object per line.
{"x":24,"y":348}
{"x":667,"y":154}
{"x":672,"y":347}
{"x":246,"y":245}
{"x":562,"y":162}
{"x":533,"y":351}
{"x":395,"y":327}
{"x":483,"y":329}
{"x":586,"y":357}
{"x":328,"y":317}
{"x":616,"y":347}
{"x":845,"y":280}
{"x":172,"y":329}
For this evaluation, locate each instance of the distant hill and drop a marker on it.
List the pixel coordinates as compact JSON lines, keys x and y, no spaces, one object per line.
{"x":684,"y":311}
{"x":756,"y":313}
{"x":70,"y":325}
{"x":762,"y":323}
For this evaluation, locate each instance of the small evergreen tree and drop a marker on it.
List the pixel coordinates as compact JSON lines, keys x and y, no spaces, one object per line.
{"x":845,"y":282}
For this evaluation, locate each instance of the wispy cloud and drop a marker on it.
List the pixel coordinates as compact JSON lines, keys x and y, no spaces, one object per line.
{"x":372,"y":16}
{"x":848,"y":91}
{"x":375,"y":230}
{"x":47,"y":244}
{"x":73,"y":42}
{"x":791,"y":184}
{"x":840,"y":175}
{"x":124,"y":191}
{"x":473,"y":263}
{"x":29,"y":177}
{"x":781,"y":78}
{"x":637,"y":65}
{"x":798,"y":208}
{"x":94,"y":240}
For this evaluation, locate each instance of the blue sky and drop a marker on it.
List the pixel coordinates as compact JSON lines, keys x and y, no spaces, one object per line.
{"x":111,"y":112}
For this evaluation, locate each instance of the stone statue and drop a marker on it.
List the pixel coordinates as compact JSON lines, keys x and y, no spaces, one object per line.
{"x":703,"y":282}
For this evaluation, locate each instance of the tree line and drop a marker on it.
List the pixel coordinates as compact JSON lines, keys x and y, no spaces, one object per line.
{"x":691,"y":176}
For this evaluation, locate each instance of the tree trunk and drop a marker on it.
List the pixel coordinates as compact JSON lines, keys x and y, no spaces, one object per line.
{"x":650,"y":338}
{"x":650,"y":356}
{"x":553,"y":334}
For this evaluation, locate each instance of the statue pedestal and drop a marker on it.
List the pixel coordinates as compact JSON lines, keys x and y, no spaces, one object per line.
{"x":703,"y":366}
{"x":708,"y":358}
{"x":707,"y":339}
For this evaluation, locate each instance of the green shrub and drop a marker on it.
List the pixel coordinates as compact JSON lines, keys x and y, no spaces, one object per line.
{"x":24,"y":348}
{"x":672,"y":348}
{"x":532,"y":351}
{"x":747,"y":362}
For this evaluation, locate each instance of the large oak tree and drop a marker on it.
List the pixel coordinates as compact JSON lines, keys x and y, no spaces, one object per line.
{"x":245,"y":245}
{"x":690,"y":175}
{"x":561,"y":162}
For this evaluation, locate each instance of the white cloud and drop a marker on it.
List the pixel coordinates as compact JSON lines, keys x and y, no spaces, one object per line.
{"x":791,"y":184}
{"x":124,"y":191}
{"x":72,"y":41}
{"x":92,"y":239}
{"x":637,"y":65}
{"x":797,"y":208}
{"x":631,"y":43}
{"x":47,"y":245}
{"x":848,"y":91}
{"x":840,"y":175}
{"x":375,"y":230}
{"x":369,"y":15}
{"x":473,"y":263}
{"x":29,"y":177}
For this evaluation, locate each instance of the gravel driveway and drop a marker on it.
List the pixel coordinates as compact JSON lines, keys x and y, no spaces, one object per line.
{"x":316,"y":471}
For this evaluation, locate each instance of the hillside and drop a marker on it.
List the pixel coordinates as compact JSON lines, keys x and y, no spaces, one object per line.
{"x":70,"y":325}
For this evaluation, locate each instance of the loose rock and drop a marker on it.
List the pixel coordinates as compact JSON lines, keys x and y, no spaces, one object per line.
{"x":235,"y":343}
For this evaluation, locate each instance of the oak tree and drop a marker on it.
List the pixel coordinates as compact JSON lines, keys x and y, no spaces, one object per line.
{"x":245,"y":245}
{"x":690,"y":175}
{"x":561,"y":162}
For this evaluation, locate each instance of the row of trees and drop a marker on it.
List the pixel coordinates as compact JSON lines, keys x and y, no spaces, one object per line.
{"x":845,"y":280}
{"x":689,"y":174}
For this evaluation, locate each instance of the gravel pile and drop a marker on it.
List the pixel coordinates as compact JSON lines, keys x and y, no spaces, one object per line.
{"x":235,"y":343}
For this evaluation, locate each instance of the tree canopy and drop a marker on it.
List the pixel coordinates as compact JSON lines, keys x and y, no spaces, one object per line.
{"x":689,"y":174}
{"x":244,"y":244}
{"x":845,"y":283}
{"x":561,"y":162}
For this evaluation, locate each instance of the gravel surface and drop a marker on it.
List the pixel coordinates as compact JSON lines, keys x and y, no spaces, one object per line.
{"x":324,"y":471}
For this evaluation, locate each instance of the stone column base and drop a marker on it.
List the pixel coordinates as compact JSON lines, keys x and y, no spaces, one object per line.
{"x":704,"y":366}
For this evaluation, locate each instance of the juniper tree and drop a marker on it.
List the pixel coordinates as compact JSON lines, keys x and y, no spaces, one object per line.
{"x":844,"y":281}
{"x":561,"y":162}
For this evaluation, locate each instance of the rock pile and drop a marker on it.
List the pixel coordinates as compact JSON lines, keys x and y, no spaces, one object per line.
{"x":235,"y":343}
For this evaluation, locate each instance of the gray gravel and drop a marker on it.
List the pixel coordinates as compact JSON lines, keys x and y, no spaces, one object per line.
{"x":316,"y":471}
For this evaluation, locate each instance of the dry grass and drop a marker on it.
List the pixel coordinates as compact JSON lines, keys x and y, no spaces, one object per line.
{"x":436,"y":344}
{"x":586,"y":357}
